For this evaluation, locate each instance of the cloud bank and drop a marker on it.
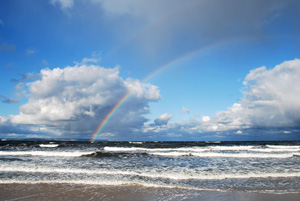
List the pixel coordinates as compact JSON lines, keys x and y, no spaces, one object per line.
{"x":75,"y":100}
{"x":271,"y":102}
{"x":72,"y":101}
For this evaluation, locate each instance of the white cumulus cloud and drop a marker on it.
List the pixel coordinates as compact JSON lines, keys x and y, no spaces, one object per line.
{"x":76,"y":99}
{"x":205,"y":118}
{"x":163,"y":119}
{"x":271,"y":100}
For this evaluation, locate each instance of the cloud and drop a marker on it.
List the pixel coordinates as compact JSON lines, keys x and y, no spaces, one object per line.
{"x":271,"y":100}
{"x":239,"y":132}
{"x":163,"y":119}
{"x":185,"y":110}
{"x":271,"y":105}
{"x":140,"y":9}
{"x":5,"y":99}
{"x":156,"y":25}
{"x":7,"y":47}
{"x":72,"y":101}
{"x":30,"y":52}
{"x":205,"y":118}
{"x":171,"y":20}
{"x":96,"y":57}
{"x":45,"y":62}
{"x":64,"y":4}
{"x":9,"y":130}
{"x":26,"y":77}
{"x":1,"y":22}
{"x":76,"y":99}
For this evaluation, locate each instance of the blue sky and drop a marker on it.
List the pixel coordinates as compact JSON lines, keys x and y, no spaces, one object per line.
{"x":197,"y":70}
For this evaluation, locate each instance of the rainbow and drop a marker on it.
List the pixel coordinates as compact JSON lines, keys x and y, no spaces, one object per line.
{"x":147,"y":78}
{"x":146,"y":28}
{"x":109,"y":115}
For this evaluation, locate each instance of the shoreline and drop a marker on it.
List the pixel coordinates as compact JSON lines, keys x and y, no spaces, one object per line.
{"x":77,"y":192}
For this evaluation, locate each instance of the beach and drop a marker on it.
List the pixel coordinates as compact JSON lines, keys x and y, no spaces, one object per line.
{"x":57,"y":192}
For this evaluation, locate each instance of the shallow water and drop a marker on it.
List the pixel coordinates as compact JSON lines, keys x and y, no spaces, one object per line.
{"x":224,"y":166}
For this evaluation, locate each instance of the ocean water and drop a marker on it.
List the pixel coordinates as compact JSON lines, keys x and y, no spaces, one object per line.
{"x":224,"y":166}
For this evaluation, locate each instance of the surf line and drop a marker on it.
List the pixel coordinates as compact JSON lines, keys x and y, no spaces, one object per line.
{"x":147,"y":78}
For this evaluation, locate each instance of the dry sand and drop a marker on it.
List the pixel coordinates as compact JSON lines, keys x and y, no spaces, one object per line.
{"x":54,"y":192}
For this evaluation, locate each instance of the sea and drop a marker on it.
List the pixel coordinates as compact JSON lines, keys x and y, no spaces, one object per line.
{"x":223,"y":166}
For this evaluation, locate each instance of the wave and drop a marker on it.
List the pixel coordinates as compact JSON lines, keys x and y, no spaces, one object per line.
{"x":217,"y":151}
{"x":44,"y":153}
{"x":49,"y":145}
{"x":283,"y":147}
{"x":136,"y":142}
{"x":226,"y":155}
{"x":213,"y":142}
{"x":274,"y":150}
{"x":196,"y":149}
{"x":168,"y":152}
{"x":207,"y":149}
{"x":173,"y":175}
{"x":181,"y":149}
{"x":111,"y":154}
{"x":125,"y":149}
{"x":107,"y":183}
{"x":193,"y":154}
{"x":10,"y":159}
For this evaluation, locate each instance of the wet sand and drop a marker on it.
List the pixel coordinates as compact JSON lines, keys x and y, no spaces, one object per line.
{"x":55,"y":192}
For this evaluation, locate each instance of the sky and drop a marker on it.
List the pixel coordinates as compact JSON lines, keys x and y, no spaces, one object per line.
{"x":140,"y":70}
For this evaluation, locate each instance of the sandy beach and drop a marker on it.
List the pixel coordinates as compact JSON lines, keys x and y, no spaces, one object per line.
{"x":55,"y":192}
